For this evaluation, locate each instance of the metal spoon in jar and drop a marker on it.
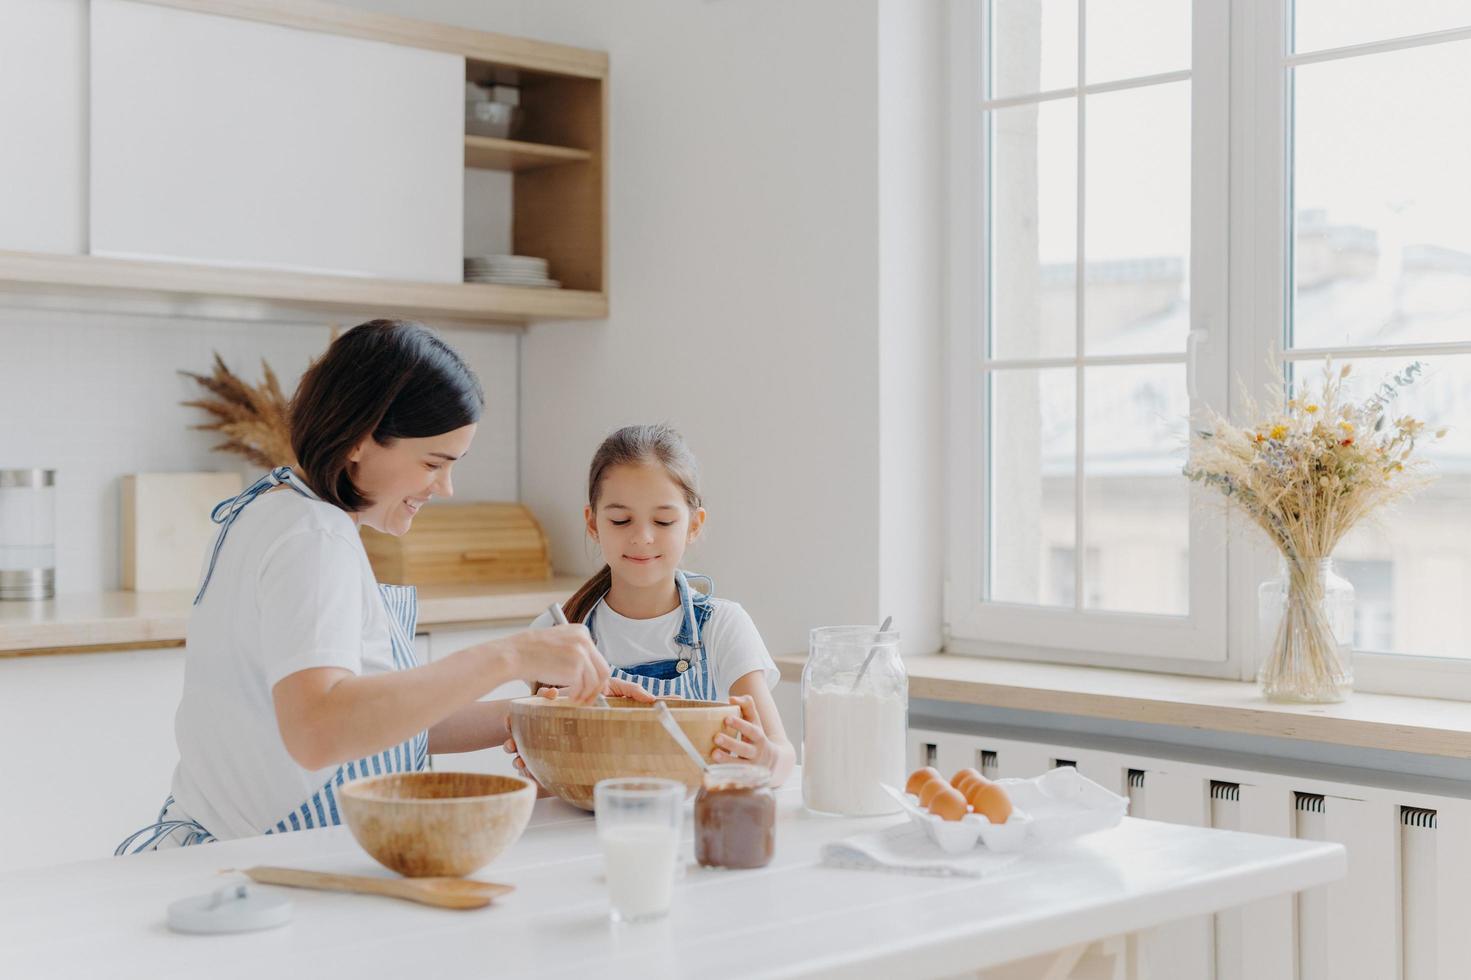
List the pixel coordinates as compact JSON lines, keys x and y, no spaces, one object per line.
{"x":560,"y":618}
{"x":869,"y":659}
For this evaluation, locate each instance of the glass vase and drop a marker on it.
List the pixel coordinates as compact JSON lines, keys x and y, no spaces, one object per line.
{"x":1306,"y":628}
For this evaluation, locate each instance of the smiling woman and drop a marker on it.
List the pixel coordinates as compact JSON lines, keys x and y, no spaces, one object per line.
{"x":300,"y":671}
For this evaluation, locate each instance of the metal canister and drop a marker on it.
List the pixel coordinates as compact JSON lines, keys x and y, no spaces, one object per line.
{"x":27,"y":534}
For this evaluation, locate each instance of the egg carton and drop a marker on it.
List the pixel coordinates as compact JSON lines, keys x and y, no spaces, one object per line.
{"x":1055,"y":806}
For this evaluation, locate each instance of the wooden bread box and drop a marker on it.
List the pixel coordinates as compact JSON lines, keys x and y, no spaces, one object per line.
{"x":454,"y":544}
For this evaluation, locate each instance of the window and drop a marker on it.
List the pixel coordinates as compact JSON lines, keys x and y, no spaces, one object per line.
{"x":1379,"y":275}
{"x":1100,"y":151}
{"x":1100,"y":271}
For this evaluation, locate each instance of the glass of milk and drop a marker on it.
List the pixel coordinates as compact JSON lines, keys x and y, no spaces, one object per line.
{"x":855,"y":720}
{"x":638,"y":829}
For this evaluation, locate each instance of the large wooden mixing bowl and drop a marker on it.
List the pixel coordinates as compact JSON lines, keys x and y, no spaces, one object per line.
{"x":569,"y":747}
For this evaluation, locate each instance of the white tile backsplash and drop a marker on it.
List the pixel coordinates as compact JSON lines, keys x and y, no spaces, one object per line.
{"x":96,"y":395}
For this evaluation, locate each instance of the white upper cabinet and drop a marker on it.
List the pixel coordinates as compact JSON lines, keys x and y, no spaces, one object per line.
{"x":43,"y":118}
{"x":230,"y":142}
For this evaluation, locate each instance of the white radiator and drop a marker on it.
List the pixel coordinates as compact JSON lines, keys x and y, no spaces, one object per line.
{"x":1402,"y":913}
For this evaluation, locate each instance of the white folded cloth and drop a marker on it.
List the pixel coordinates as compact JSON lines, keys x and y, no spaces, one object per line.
{"x":907,"y":849}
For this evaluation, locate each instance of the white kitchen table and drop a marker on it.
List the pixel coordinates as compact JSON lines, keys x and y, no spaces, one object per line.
{"x":105,"y":917}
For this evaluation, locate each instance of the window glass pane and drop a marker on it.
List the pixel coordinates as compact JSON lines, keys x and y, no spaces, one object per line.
{"x":1033,"y":230}
{"x":1411,"y":564}
{"x":1382,"y":199}
{"x":1033,"y":443}
{"x":1138,"y":222}
{"x":1136,"y":516}
{"x":1130,"y":38}
{"x":1034,"y":46}
{"x":1320,"y":24}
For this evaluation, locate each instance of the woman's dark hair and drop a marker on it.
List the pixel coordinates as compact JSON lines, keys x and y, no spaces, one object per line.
{"x":389,"y":379}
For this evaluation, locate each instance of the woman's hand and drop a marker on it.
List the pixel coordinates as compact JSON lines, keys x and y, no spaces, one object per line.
{"x":564,"y":656}
{"x":744,"y":740}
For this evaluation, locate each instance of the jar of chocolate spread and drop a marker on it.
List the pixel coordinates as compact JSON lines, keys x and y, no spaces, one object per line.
{"x":735,"y":817}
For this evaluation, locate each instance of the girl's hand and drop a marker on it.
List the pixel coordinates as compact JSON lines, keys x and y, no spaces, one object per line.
{"x":619,"y":688}
{"x":744,"y":739}
{"x":521,"y":770}
{"x":615,"y":688}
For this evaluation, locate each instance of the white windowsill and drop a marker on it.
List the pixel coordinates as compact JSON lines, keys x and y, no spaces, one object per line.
{"x":1396,"y":723}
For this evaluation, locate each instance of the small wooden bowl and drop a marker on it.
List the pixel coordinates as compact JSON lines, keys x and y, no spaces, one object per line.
{"x":425,"y":824}
{"x":569,"y":747}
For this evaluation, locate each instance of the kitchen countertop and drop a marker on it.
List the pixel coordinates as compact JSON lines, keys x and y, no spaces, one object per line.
{"x":1428,"y":726}
{"x":120,"y":620}
{"x":793,"y":918}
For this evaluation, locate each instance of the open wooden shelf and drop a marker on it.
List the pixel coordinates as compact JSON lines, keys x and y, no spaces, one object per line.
{"x":558,"y":192}
{"x":558,"y":180}
{"x":488,"y":153}
{"x":472,"y":302}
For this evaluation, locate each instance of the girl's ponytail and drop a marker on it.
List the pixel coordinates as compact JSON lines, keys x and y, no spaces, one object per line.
{"x":587,"y":596}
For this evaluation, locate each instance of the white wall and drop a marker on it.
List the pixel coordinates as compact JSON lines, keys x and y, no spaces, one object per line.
{"x":774,"y":177}
{"x":744,"y":251}
{"x":911,"y":233}
{"x":775,"y":267}
{"x":96,"y":395}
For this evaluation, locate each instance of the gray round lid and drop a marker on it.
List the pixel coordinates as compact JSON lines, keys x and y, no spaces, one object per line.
{"x":234,"y":908}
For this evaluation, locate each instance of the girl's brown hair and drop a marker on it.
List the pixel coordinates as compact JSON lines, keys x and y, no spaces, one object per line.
{"x":389,"y":379}
{"x":633,"y":445}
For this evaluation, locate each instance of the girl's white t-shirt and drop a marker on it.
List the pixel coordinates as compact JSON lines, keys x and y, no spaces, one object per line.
{"x":732,"y":642}
{"x":292,"y":590}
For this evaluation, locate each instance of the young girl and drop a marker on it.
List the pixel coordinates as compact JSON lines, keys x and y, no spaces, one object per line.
{"x":651,"y":625}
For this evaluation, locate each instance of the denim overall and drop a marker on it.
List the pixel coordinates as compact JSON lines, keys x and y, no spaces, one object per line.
{"x":321,"y":808}
{"x":690,"y":676}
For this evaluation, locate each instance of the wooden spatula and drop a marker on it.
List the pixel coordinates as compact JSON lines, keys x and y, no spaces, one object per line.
{"x":447,"y":893}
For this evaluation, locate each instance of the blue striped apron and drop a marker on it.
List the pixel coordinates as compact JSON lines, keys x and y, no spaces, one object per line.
{"x":690,"y":676}
{"x":320,"y":809}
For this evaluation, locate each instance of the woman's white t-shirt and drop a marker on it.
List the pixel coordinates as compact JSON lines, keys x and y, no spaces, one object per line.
{"x":292,"y":590}
{"x":732,"y":642}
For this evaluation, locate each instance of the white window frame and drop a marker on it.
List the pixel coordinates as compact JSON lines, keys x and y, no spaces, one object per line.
{"x":1239,"y":295}
{"x":1195,"y":643}
{"x":1261,"y":226}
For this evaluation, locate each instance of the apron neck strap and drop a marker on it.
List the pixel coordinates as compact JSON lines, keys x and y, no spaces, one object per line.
{"x":226,"y":511}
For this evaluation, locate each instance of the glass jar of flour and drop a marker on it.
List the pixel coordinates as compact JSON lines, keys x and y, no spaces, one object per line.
{"x":854,"y":721}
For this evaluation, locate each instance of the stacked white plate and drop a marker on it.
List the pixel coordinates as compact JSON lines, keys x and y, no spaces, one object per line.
{"x":509,"y":270}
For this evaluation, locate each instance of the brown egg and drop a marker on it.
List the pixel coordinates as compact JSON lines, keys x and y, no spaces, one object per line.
{"x":919,"y":777}
{"x":948,"y":804}
{"x":928,"y":791}
{"x":964,"y":778}
{"x":990,"y":801}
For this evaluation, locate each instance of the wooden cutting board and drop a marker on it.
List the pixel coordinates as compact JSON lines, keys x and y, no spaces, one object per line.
{"x":166,"y":527}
